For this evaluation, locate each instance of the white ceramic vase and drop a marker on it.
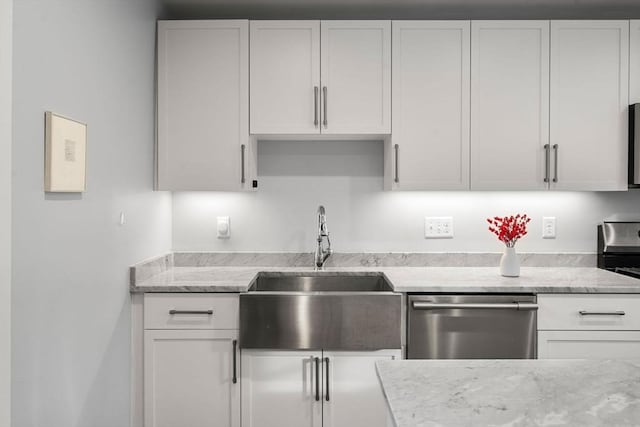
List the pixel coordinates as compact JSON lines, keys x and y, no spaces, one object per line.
{"x":509,"y":263}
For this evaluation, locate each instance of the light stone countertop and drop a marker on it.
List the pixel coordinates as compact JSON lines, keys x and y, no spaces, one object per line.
{"x":405,"y":279}
{"x":582,"y":393}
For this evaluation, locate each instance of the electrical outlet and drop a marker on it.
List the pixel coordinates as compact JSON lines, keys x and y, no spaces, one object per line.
{"x":549,"y":227}
{"x":438,"y":227}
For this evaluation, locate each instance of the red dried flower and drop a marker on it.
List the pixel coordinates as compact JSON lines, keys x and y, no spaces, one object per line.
{"x":509,"y":228}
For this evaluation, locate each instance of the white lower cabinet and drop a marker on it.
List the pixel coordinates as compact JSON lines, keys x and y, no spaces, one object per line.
{"x":588,"y":326}
{"x":353,"y":395}
{"x":313,"y":388}
{"x":189,"y":378}
{"x":588,"y":344}
{"x":278,"y":389}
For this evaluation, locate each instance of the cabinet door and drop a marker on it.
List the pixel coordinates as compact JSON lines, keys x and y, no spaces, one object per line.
{"x":285,"y":77}
{"x":356,"y":77}
{"x":352,"y":394}
{"x":589,"y":101}
{"x":203,"y":97}
{"x":430,"y":106}
{"x":588,"y":344}
{"x":509,"y":104}
{"x":279,"y":389}
{"x":634,"y":61}
{"x":188,"y":379}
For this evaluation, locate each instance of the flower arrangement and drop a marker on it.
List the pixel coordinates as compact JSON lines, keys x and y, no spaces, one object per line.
{"x":509,"y":228}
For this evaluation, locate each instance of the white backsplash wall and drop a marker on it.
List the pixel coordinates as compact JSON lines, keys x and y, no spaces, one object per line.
{"x":346,"y":177}
{"x":6,"y":30}
{"x":93,"y":61}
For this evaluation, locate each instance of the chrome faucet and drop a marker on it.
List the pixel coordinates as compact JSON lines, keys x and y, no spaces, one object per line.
{"x":322,"y":254}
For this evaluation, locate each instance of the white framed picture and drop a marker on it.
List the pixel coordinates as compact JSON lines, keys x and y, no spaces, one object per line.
{"x":65,"y":154}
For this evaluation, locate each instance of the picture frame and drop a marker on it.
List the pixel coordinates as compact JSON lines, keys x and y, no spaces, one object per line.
{"x":65,"y":154}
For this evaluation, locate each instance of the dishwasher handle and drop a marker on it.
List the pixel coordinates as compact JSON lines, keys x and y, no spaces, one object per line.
{"x":522,"y":306}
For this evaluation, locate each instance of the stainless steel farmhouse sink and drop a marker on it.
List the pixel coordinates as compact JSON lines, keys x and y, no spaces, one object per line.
{"x":320,"y":311}
{"x":320,"y":282}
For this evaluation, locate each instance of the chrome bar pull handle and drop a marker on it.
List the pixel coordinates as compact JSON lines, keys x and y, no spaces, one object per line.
{"x":326,"y":392}
{"x":242,"y":148}
{"x":235,"y":363}
{"x":317,"y":362}
{"x":522,"y":306}
{"x":315,"y":106}
{"x":601,"y":313}
{"x":324,"y":94}
{"x":208,"y":312}
{"x":396,"y":177}
{"x":555,"y":162}
{"x":547,"y":162}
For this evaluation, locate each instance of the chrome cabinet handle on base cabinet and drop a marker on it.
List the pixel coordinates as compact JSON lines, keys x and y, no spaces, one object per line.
{"x":601,"y":313}
{"x":235,"y":363}
{"x":326,"y":393}
{"x":547,"y":162}
{"x":209,"y":312}
{"x":317,"y":362}
{"x":242,"y":147}
{"x":396,"y":148}
{"x":324,"y":94}
{"x":315,"y":106}
{"x":555,"y":163}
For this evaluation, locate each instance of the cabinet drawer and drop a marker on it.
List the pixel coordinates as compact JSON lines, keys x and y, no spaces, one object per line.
{"x":191,"y":311}
{"x":589,"y":312}
{"x":588,"y":344}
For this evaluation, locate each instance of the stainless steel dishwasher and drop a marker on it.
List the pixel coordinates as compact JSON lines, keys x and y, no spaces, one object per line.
{"x":472,"y":327}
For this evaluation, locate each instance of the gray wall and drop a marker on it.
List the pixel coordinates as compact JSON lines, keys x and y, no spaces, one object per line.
{"x":346,"y":177}
{"x":5,"y":210}
{"x":92,"y":61}
{"x":402,"y":9}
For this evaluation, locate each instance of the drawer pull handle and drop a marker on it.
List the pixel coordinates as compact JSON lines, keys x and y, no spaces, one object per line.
{"x":208,"y":312}
{"x":601,"y":313}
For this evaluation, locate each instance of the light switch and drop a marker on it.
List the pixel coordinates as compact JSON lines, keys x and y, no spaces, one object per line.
{"x":224,"y":228}
{"x":548,"y":227}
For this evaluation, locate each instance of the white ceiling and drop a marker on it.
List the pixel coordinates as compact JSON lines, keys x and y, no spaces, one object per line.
{"x":402,"y":9}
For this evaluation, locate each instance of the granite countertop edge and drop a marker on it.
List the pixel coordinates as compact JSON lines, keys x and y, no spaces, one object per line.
{"x":224,"y":279}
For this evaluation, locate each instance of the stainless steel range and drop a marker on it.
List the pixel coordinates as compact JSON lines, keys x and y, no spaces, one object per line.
{"x":619,"y":247}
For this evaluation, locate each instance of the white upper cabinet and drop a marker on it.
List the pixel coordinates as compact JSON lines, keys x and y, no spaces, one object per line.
{"x":312,"y":77}
{"x":285,"y":77}
{"x":509,"y":104}
{"x":589,"y":100}
{"x":634,"y":61}
{"x":356,"y":77}
{"x":203,"y":96}
{"x":429,"y":148}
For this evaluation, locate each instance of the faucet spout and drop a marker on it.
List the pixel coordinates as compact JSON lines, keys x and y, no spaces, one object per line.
{"x":322,"y":253}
